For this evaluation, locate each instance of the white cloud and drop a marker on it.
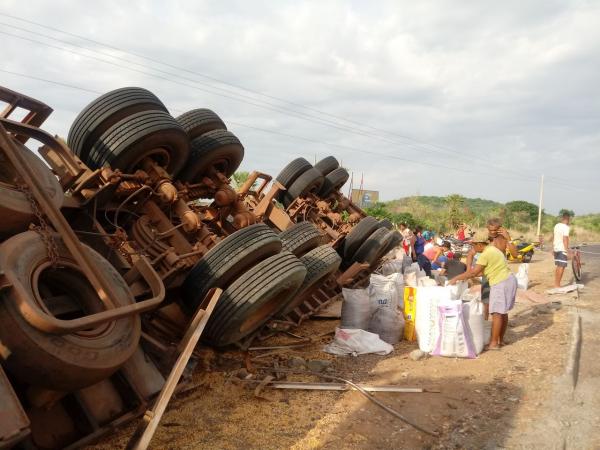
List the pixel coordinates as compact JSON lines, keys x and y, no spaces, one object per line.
{"x":511,"y":83}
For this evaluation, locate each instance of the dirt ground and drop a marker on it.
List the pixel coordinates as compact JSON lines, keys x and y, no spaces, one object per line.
{"x":482,"y":403}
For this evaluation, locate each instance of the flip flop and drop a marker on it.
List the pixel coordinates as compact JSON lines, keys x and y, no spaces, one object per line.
{"x":493,"y":348}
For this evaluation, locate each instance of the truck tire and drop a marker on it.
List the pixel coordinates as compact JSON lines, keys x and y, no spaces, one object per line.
{"x":301,"y":237}
{"x":309,"y":181}
{"x":104,"y":112}
{"x":320,"y":263}
{"x":292,"y":171}
{"x":372,"y":249}
{"x":199,"y":121}
{"x":327,"y":165}
{"x":395,"y":240}
{"x":254,"y":298}
{"x":147,"y":134}
{"x":227,"y":260}
{"x":62,"y":362}
{"x":334,"y":181}
{"x":358,"y":235}
{"x":386,"y":224}
{"x":15,"y":207}
{"x":220,"y":149}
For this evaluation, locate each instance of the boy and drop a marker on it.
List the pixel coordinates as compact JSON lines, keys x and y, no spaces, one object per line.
{"x":503,"y":284}
{"x":560,"y":247}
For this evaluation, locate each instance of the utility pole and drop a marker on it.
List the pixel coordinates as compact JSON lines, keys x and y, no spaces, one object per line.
{"x":539,"y":227}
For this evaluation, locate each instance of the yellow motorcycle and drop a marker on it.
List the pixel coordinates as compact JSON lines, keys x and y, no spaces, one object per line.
{"x":525,"y":250}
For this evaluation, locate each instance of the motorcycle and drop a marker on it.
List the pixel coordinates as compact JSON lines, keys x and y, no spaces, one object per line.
{"x":457,"y":245}
{"x":525,"y":250}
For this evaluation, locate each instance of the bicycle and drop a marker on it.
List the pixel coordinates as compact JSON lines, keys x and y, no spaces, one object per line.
{"x":576,"y":262}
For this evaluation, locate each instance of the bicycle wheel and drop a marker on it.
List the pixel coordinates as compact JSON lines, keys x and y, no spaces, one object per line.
{"x":576,"y":265}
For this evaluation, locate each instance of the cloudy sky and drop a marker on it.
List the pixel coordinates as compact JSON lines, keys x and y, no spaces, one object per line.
{"x":432,"y":98}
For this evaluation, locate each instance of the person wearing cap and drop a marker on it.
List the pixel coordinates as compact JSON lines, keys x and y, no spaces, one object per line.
{"x":494,"y":228}
{"x":503,"y":283}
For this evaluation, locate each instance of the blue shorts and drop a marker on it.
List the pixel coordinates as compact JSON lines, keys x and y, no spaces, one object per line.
{"x":560,"y":259}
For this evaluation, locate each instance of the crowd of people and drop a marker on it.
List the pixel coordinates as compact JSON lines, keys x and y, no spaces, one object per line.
{"x":486,"y":259}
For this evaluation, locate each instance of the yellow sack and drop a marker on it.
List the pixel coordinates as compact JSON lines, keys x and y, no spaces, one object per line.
{"x":410,"y":312}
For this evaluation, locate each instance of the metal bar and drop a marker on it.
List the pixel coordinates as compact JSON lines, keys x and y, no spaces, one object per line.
{"x":71,"y":163}
{"x":362,"y":391}
{"x":95,"y":276}
{"x":49,"y":324}
{"x":338,"y":387}
{"x":143,"y":435}
{"x":38,"y":111}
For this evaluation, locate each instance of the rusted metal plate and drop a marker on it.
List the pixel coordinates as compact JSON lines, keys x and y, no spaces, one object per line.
{"x":14,"y":424}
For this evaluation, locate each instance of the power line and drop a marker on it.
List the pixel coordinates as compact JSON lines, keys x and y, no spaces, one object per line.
{"x":209,"y":77}
{"x":227,"y":93}
{"x":274,"y":107}
{"x":227,"y":96}
{"x":221,"y":81}
{"x":305,"y":139}
{"x":58,"y":83}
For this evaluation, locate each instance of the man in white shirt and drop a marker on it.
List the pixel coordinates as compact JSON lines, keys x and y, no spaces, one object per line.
{"x":561,"y":247}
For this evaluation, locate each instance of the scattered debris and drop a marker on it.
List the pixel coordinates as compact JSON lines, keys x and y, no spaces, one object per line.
{"x":318,"y":365}
{"x":296,"y":362}
{"x":418,"y":355}
{"x":363,"y":392}
{"x":302,"y":385}
{"x":565,"y":289}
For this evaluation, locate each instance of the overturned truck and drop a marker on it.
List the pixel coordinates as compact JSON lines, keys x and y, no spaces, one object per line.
{"x":112,"y":249}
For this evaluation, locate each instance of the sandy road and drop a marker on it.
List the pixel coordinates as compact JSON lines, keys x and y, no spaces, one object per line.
{"x":515,"y":398}
{"x":570,"y":416}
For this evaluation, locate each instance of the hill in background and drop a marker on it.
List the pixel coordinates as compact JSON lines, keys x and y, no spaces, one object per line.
{"x":444,"y":214}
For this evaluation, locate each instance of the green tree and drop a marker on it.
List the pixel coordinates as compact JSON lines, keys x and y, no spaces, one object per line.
{"x":522,"y":211}
{"x":239,"y":178}
{"x":566,"y":211}
{"x":382,"y":211}
{"x":455,"y":210}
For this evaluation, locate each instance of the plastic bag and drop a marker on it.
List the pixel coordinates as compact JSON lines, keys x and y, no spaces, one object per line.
{"x":523,"y":276}
{"x":391,"y":286}
{"x":426,"y":282}
{"x":385,"y":297}
{"x":406,"y":262}
{"x":410,"y":279}
{"x":390,"y":267}
{"x":356,"y":308}
{"x":454,"y":335}
{"x":458,"y":289}
{"x":388,"y":324}
{"x":357,"y":342}
{"x":426,"y":320}
{"x":480,"y":329}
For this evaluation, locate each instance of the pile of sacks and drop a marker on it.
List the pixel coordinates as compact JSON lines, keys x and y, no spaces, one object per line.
{"x":377,"y":309}
{"x":372,"y":318}
{"x":449,"y":321}
{"x":402,"y":301}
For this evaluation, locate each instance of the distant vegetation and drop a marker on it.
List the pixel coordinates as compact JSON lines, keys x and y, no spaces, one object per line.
{"x":589,"y":222}
{"x":444,"y":214}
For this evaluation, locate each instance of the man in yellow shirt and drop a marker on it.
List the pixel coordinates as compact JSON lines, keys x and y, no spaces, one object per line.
{"x":503,"y":284}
